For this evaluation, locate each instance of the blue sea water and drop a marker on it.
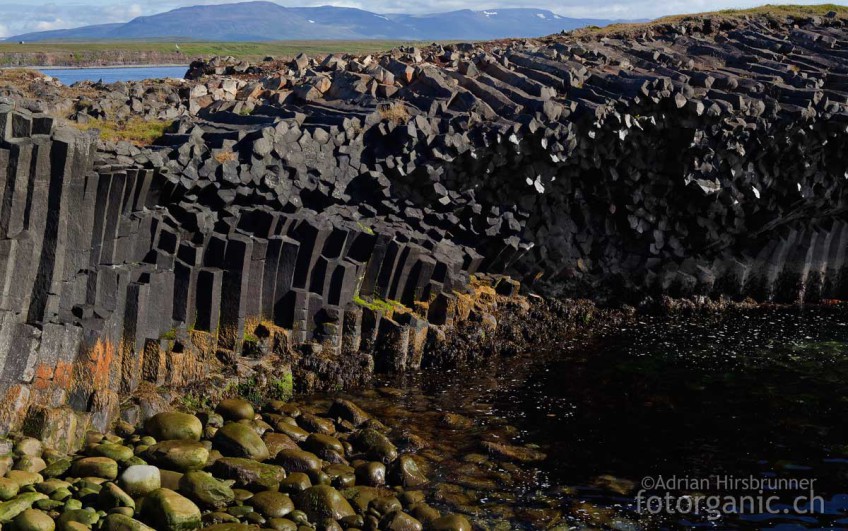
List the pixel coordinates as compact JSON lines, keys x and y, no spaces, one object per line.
{"x":69,"y":76}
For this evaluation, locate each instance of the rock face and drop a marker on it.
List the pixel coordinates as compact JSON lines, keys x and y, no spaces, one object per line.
{"x":339,"y":208}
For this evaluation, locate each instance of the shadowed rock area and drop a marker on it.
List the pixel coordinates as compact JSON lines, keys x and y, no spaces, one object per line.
{"x":342,"y":216}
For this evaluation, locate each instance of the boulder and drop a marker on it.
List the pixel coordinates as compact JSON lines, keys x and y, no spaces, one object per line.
{"x":406,"y":473}
{"x":165,"y":510}
{"x":235,"y":409}
{"x":322,"y":501}
{"x":33,"y":520}
{"x":180,"y":455}
{"x":240,"y":440}
{"x":298,"y":461}
{"x":375,"y":445}
{"x":451,"y":522}
{"x":205,"y":490}
{"x":249,"y":474}
{"x":140,"y":480}
{"x":173,"y":425}
{"x":271,"y":504}
{"x":347,"y":410}
{"x":98,"y":467}
{"x":9,"y":510}
{"x":122,"y":522}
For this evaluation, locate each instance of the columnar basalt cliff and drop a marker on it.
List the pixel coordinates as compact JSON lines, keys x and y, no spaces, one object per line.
{"x":338,"y":213}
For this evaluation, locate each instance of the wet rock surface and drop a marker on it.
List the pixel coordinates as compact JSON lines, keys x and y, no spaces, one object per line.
{"x":221,"y":492}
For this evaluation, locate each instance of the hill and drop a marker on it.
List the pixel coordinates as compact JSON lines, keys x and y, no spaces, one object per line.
{"x":268,"y":21}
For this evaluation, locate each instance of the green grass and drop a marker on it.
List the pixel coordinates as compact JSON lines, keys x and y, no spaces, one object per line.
{"x":378,"y":304}
{"x":135,"y":130}
{"x":768,"y":10}
{"x":161,"y":52}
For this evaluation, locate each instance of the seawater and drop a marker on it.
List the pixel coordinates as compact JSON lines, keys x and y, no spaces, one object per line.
{"x":749,"y":403}
{"x":69,"y":76}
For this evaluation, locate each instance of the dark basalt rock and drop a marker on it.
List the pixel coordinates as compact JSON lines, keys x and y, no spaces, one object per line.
{"x":330,"y":214}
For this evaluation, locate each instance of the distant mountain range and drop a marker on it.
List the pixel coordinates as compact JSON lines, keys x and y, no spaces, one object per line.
{"x":267,"y":21}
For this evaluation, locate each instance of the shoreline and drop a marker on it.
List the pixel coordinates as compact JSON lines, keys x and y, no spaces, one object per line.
{"x":43,"y":68}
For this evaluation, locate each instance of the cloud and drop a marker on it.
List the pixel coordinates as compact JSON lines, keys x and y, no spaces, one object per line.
{"x":47,"y":25}
{"x":4,"y":31}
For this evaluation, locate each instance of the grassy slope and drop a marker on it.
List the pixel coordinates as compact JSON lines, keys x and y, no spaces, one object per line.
{"x":768,"y":10}
{"x":83,"y":53}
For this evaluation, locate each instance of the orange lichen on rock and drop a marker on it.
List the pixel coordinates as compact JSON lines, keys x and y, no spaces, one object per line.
{"x":43,"y":376}
{"x":63,"y":375}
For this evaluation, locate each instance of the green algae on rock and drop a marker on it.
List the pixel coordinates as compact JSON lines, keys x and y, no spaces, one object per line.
{"x":187,"y":486}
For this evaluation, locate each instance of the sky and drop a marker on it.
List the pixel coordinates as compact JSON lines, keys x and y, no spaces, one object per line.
{"x":17,"y":16}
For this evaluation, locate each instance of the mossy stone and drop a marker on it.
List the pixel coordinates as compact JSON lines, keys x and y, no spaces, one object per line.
{"x":319,"y":442}
{"x":406,"y":473}
{"x":98,"y":467}
{"x":121,"y":522}
{"x":240,"y":440}
{"x":179,"y":455}
{"x":112,"y":496}
{"x":298,"y":461}
{"x":400,"y":521}
{"x":281,"y":524}
{"x":166,"y":510}
{"x":118,"y":452}
{"x":322,"y":501}
{"x":375,"y":445}
{"x":9,"y":510}
{"x":235,"y":409}
{"x":8,"y":489}
{"x":24,"y":479}
{"x":204,"y":489}
{"x":173,"y":425}
{"x":82,"y":516}
{"x":33,"y":520}
{"x":57,"y":468}
{"x":249,"y":474}
{"x":451,"y":522}
{"x":271,"y":504}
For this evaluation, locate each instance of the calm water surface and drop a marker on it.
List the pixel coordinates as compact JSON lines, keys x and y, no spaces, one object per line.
{"x":761,"y":394}
{"x":69,"y":76}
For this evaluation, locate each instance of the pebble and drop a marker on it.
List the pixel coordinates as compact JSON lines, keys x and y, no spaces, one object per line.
{"x":253,"y":472}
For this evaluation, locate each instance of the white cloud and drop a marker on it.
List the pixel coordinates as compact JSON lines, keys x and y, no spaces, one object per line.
{"x":47,"y":25}
{"x":4,"y":31}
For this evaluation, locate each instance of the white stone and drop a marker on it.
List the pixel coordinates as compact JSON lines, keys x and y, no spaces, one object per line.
{"x":140,"y":480}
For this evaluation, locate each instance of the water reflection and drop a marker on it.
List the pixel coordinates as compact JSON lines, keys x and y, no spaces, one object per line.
{"x":760,"y":394}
